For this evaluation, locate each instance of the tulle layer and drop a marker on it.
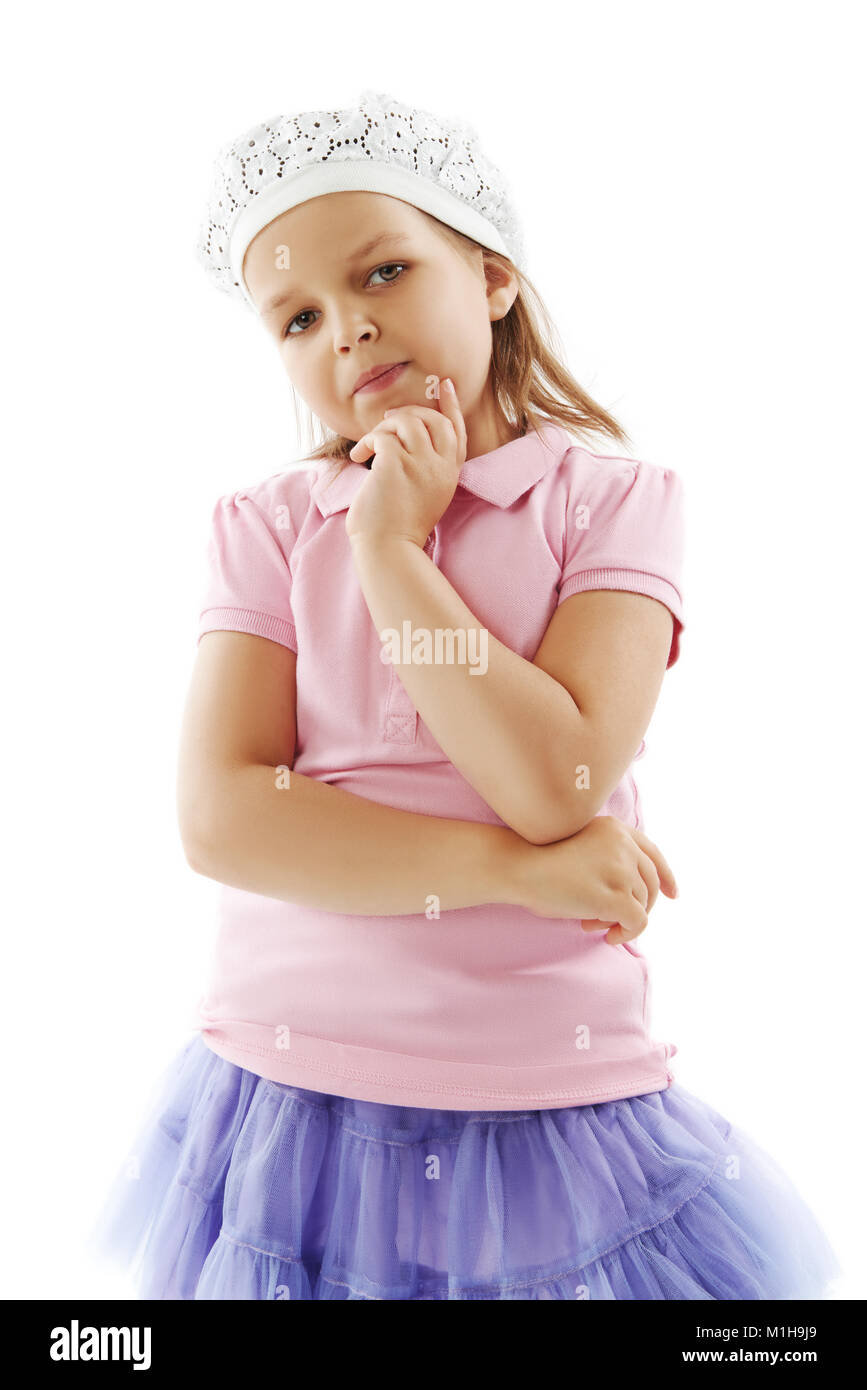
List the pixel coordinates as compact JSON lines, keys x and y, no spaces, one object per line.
{"x":242,"y":1188}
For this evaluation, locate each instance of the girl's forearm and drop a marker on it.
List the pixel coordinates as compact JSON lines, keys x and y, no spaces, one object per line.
{"x":322,"y":847}
{"x":507,"y":726}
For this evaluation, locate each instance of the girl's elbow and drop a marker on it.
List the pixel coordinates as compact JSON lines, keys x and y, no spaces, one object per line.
{"x":549,"y":835}
{"x":198,"y":835}
{"x":197,"y":854}
{"x":550,"y":826}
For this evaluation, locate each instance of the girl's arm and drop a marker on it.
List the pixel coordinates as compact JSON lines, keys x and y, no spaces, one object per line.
{"x":323,"y":847}
{"x":298,"y":839}
{"x":520,"y":730}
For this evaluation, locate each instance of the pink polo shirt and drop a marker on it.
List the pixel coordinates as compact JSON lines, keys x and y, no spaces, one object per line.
{"x":488,"y":1007}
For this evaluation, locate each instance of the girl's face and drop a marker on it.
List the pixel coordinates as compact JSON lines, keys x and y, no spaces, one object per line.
{"x":336,"y":305}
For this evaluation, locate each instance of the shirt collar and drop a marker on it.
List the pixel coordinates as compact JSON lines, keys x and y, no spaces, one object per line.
{"x":500,"y":476}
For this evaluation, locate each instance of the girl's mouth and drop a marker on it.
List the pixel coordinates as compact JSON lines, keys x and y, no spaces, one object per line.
{"x":379,"y":383}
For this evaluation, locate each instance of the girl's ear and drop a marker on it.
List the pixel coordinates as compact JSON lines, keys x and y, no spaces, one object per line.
{"x":501,"y":297}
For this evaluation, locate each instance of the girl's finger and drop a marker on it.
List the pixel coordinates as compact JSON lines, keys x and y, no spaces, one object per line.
{"x":666,"y":877}
{"x":595,"y":924}
{"x":650,"y":874}
{"x":448,"y":403}
{"x":633,"y":924}
{"x":632,"y":920}
{"x":412,"y":431}
{"x":367,"y":444}
{"x":440,"y":427}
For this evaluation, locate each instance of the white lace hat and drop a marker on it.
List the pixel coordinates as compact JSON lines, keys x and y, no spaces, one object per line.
{"x":378,"y":146}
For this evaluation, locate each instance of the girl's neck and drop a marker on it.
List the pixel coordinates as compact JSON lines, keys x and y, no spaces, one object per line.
{"x":488,"y":430}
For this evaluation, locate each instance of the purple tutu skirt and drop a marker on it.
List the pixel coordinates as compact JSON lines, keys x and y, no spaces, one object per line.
{"x":243,"y":1188}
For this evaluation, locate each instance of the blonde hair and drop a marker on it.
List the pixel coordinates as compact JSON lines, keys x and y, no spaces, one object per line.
{"x":529,"y":382}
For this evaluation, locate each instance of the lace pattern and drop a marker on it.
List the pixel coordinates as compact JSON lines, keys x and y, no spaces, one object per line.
{"x":444,"y":151}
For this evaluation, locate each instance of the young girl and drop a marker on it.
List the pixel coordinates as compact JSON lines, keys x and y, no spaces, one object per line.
{"x":422,"y":1069}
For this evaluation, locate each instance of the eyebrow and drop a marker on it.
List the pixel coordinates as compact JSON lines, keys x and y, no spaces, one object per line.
{"x":277,"y":300}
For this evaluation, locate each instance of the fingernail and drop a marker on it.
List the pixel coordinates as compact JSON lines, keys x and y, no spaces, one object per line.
{"x":449,"y":384}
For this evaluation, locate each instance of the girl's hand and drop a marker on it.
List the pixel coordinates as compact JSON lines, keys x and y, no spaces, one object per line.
{"x":608,"y":874}
{"x":419,"y":454}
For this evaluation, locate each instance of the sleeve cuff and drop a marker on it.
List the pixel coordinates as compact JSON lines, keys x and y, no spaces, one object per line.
{"x":247,"y":620}
{"x":635,"y":582}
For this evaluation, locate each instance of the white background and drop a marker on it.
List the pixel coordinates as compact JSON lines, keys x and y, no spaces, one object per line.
{"x":690,"y":179}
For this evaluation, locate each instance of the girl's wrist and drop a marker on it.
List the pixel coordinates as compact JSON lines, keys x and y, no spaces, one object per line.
{"x":509,"y":868}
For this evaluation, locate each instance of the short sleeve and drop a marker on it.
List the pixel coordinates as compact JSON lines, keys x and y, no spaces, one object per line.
{"x":249,"y":585}
{"x":625,"y":530}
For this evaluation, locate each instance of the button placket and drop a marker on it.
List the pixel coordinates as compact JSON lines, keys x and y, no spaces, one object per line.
{"x":401,"y":715}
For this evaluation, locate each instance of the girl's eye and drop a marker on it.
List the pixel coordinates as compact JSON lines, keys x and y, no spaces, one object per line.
{"x":287,"y":332}
{"x":389,"y":265}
